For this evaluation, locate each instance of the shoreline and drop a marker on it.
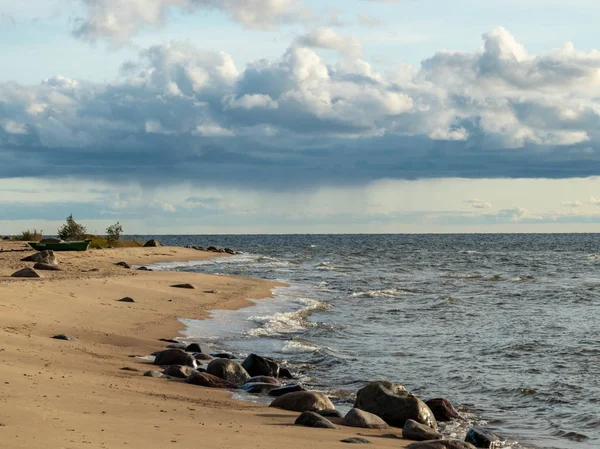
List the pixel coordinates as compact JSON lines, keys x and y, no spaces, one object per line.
{"x":75,"y":393}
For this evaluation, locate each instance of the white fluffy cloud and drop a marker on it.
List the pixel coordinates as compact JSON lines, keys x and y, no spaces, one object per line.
{"x":118,"y":20}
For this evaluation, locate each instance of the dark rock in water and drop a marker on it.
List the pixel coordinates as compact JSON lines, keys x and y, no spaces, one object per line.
{"x":482,"y":438}
{"x":175,"y":357}
{"x":123,"y":264}
{"x":362,"y":419}
{"x":312,"y":419}
{"x":208,"y":380}
{"x":214,"y":249}
{"x":440,"y":444}
{"x":193,"y":347}
{"x":179,"y":371}
{"x":46,"y":256}
{"x":156,"y":374}
{"x":26,"y":273}
{"x":64,"y":337}
{"x":201,"y":356}
{"x":199,"y":248}
{"x":303,"y":401}
{"x":177,"y":346}
{"x":285,"y":390}
{"x":229,"y":370}
{"x":126,"y":299}
{"x":285,"y":373}
{"x":260,"y":366}
{"x":415,"y":431}
{"x":258,"y":387}
{"x":145,"y":269}
{"x":443,"y":410}
{"x":223,"y":355}
{"x":187,"y":286}
{"x":230,"y":251}
{"x":356,"y":440}
{"x":330,"y":413}
{"x":168,"y":340}
{"x":152,"y":243}
{"x":264,"y":379}
{"x":393,"y":404}
{"x":46,"y":267}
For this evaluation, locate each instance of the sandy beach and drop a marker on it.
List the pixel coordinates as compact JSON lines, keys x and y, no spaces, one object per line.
{"x":74,"y":394}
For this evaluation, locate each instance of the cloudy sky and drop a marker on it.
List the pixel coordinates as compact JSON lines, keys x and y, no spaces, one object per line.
{"x":300,"y":116}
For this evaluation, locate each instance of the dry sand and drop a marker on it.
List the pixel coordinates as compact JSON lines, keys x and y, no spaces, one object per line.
{"x":61,"y":394}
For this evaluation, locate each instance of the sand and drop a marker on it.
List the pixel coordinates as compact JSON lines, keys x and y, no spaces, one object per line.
{"x":75,"y":394}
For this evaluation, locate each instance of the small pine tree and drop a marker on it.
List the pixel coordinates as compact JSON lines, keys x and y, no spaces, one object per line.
{"x":72,"y":230}
{"x":113,"y":233}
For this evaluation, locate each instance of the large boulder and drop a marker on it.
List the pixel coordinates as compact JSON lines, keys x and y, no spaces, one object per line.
{"x":152,"y":243}
{"x":26,"y":273}
{"x":264,"y":379}
{"x":393,"y":404}
{"x":179,"y":371}
{"x":260,"y":366}
{"x":258,"y":387}
{"x":303,"y":401}
{"x":174,"y":357}
{"x":286,"y":389}
{"x":362,"y":419}
{"x":46,"y":256}
{"x":193,"y":347}
{"x":443,"y":410}
{"x":312,"y":419}
{"x":229,"y":370}
{"x":440,"y":444}
{"x":415,"y":431}
{"x":483,"y":438}
{"x":208,"y":380}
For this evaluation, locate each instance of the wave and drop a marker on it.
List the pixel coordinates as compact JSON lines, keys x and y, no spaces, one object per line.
{"x":287,"y":322}
{"x":298,"y":347}
{"x":384,"y":293}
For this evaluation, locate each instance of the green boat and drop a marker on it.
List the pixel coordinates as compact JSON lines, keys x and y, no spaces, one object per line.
{"x":81,"y":245}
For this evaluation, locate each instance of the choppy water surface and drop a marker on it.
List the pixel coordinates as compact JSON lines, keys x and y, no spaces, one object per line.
{"x":505,"y":326}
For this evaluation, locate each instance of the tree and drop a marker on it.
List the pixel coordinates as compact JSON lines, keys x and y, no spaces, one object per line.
{"x":71,"y":230}
{"x":113,"y":233}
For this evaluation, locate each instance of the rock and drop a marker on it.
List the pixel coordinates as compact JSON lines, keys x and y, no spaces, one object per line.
{"x":264,"y":379}
{"x":174,"y":357}
{"x":145,"y":269}
{"x":200,"y":356}
{"x":228,"y":370}
{"x":440,"y":444}
{"x":156,"y":374}
{"x":303,"y":401}
{"x":415,"y":431}
{"x":356,"y":440}
{"x":211,"y":292}
{"x":187,"y":286}
{"x":193,"y":347}
{"x":176,"y":346}
{"x":46,"y":267}
{"x":168,"y":340}
{"x":126,"y":299}
{"x":393,"y":404}
{"x":208,"y":380}
{"x":285,"y":390}
{"x":64,"y":337}
{"x":223,"y":355}
{"x":260,"y":366}
{"x":312,"y":419}
{"x":230,"y":251}
{"x":483,"y":438}
{"x":199,"y":248}
{"x":123,"y":264}
{"x":128,"y":368}
{"x":91,"y":270}
{"x":365,"y":420}
{"x":258,"y":387}
{"x":443,"y":410}
{"x":330,"y":413}
{"x":285,"y":373}
{"x":46,"y":256}
{"x":152,"y":244}
{"x":214,"y":249}
{"x":5,"y":238}
{"x":26,"y":273}
{"x":179,"y":371}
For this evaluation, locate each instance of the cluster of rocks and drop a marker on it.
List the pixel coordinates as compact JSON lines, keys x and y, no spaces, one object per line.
{"x":44,"y":260}
{"x":214,"y":249}
{"x":378,"y":405}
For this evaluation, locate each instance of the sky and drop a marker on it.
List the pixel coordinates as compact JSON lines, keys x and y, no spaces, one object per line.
{"x":300,"y":116}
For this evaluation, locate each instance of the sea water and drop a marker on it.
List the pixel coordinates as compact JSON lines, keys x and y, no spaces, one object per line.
{"x":504,"y":326}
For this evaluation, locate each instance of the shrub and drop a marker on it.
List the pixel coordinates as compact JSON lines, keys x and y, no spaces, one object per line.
{"x":71,"y":230}
{"x":30,"y":236}
{"x":113,"y":233}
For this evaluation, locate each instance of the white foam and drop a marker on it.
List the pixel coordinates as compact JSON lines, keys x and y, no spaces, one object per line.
{"x":297,"y":347}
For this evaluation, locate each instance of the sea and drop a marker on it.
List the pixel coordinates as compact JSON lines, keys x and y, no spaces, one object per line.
{"x":505,"y":326}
